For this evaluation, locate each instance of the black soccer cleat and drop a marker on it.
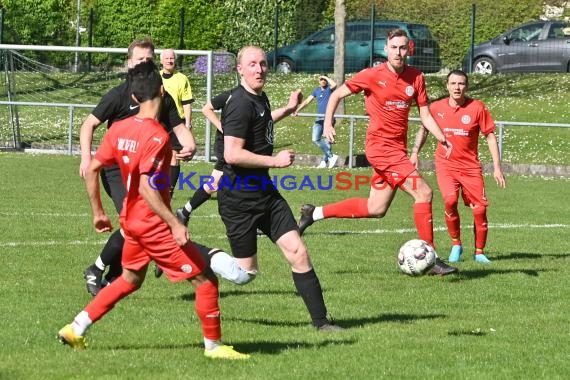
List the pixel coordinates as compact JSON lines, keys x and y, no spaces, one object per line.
{"x":330,"y":327}
{"x":442,"y":269}
{"x":93,"y":277}
{"x":181,"y":217}
{"x":306,"y":217}
{"x":157,"y":271}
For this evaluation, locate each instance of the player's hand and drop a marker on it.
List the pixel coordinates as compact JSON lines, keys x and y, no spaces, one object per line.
{"x":284,"y":158}
{"x":295,"y":99}
{"x":186,"y":153}
{"x":448,"y":148}
{"x":180,"y":234}
{"x":102,"y":223}
{"x":83,"y":166}
{"x":499,"y":178}
{"x":415,"y":160}
{"x":329,"y":132}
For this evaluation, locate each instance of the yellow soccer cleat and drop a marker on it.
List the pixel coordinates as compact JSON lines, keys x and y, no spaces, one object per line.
{"x":67,"y":336}
{"x":225,"y":352}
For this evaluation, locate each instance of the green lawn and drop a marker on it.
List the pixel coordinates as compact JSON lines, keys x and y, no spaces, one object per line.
{"x":507,"y":320}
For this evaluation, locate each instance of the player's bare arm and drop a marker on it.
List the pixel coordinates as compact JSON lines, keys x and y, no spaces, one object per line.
{"x":236,"y":154}
{"x":210,"y":113}
{"x":335,"y":98}
{"x":294,"y":100}
{"x":186,"y":139}
{"x":101,"y":221}
{"x":496,"y":156}
{"x":86,"y":140}
{"x":154,"y":200}
{"x":419,"y":141}
{"x":303,"y":105}
{"x":429,"y":122}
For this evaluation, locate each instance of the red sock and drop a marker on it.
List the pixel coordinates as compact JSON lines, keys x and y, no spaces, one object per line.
{"x":108,"y":297}
{"x":423,"y":221}
{"x":481,"y":228}
{"x":208,"y":310}
{"x":452,"y":221}
{"x":349,"y":208}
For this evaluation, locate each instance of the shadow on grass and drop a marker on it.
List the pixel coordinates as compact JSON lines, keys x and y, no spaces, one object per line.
{"x":482,"y":273}
{"x":529,"y":256}
{"x":256,"y":292}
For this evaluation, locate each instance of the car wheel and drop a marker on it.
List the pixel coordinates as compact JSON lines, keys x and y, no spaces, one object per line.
{"x":284,"y":66}
{"x":377,"y":61}
{"x":484,"y":66}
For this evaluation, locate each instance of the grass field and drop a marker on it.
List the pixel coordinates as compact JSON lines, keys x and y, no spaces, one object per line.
{"x":507,"y":320}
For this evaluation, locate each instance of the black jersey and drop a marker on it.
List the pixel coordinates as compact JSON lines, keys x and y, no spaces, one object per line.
{"x":248,"y":116}
{"x":118,"y":104}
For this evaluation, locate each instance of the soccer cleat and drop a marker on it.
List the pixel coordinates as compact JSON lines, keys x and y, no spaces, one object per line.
{"x":306,"y":217}
{"x":322,"y":165}
{"x":67,"y":336}
{"x":157,"y":271}
{"x":330,"y":327}
{"x":93,"y":277}
{"x":259,"y":232}
{"x":181,"y":217}
{"x":455,"y":254}
{"x":442,"y":269}
{"x":482,"y":259}
{"x":332,"y":161}
{"x":225,"y":352}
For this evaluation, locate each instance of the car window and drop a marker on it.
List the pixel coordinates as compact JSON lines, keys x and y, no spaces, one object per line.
{"x":358,"y":33}
{"x":526,"y":33}
{"x":326,"y":36}
{"x":380,"y":31}
{"x":559,"y":30}
{"x":419,"y":32}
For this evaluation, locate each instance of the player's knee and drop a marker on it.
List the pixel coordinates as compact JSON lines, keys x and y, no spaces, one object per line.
{"x":450,"y":203}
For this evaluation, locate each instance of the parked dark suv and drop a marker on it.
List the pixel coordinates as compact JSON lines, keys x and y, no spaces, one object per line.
{"x":315,"y":53}
{"x":539,"y":46}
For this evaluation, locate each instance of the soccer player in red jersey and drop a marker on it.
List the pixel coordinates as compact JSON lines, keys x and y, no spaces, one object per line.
{"x":463,"y":119}
{"x":389,"y":89}
{"x":141,"y":148}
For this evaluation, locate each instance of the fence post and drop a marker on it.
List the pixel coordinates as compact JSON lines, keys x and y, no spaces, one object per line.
{"x":472,"y":39}
{"x":351,"y":142}
{"x":70,"y":132}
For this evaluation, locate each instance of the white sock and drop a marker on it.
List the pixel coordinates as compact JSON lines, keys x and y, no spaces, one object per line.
{"x":211,"y":344}
{"x":99,"y":263}
{"x":188,"y":207}
{"x":318,"y":213}
{"x":81,"y":323}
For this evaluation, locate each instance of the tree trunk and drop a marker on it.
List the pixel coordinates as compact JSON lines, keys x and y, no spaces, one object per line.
{"x":339,"y":20}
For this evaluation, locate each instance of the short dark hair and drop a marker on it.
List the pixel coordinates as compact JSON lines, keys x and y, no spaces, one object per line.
{"x":460,"y":73}
{"x":396,"y":32}
{"x":145,"y":81}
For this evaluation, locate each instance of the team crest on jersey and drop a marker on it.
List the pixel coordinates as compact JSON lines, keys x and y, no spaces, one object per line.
{"x":269,"y":132}
{"x":409,"y":91}
{"x":466,"y":119}
{"x":186,"y":268}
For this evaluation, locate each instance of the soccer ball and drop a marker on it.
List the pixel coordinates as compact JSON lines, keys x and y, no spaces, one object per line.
{"x":416,"y":257}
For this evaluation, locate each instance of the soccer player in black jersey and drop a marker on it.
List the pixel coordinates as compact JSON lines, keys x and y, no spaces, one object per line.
{"x":247,"y":200}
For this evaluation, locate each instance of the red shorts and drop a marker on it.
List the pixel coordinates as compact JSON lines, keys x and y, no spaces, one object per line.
{"x":472,"y":185}
{"x":390,"y":165}
{"x":178,"y":263}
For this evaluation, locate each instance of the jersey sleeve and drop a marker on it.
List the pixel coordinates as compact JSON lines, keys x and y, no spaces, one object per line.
{"x":421,"y":97}
{"x":236,"y":118}
{"x":359,"y":82}
{"x":186,"y":95}
{"x":107,"y":106}
{"x":154,"y":152}
{"x":219,"y":101}
{"x":486,"y":122}
{"x":105,"y":152}
{"x":169,"y":116}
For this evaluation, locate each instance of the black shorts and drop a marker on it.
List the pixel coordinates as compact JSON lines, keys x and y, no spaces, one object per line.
{"x":244,"y":212}
{"x":113,"y":185}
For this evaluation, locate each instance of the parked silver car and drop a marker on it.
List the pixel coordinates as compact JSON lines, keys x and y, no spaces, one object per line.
{"x":539,"y":46}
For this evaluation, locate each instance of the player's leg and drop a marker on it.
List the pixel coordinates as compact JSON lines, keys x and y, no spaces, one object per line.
{"x":201,"y":195}
{"x":283,"y":231}
{"x":317,"y":139}
{"x":449,"y":187}
{"x":474,"y":196}
{"x":174,"y":172}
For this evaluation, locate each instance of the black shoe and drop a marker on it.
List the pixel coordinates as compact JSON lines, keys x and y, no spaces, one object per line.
{"x":93,"y":276}
{"x":259,"y":232}
{"x":442,"y":269}
{"x":330,"y":327}
{"x":157,"y":271}
{"x":306,"y":217}
{"x":181,"y":217}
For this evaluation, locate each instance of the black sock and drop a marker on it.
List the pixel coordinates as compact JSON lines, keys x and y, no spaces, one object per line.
{"x":174,"y":174}
{"x":199,"y":197}
{"x":113,"y":248}
{"x":309,"y":288}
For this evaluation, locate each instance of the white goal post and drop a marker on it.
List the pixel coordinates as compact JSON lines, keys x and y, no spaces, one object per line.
{"x":12,"y":105}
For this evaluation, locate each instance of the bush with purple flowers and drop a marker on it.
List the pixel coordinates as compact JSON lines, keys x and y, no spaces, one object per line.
{"x":223,"y":63}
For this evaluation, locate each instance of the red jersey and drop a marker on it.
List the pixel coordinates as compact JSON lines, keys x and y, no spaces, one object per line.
{"x":388,"y":97}
{"x":138,"y":146}
{"x":462,"y":126}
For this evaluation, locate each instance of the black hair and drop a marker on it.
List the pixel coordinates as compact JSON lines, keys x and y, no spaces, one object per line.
{"x":145,"y":81}
{"x":458,"y":72}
